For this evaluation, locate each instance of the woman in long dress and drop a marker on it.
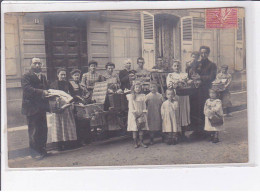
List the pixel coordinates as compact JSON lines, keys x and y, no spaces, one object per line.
{"x":63,"y":128}
{"x":173,"y":80}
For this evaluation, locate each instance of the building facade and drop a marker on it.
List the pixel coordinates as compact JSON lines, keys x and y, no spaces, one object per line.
{"x":71,"y":39}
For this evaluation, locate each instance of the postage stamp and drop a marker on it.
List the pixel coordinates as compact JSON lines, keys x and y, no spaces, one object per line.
{"x":221,"y":18}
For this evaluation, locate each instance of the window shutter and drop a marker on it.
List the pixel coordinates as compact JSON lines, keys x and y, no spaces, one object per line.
{"x":148,"y":42}
{"x":186,"y":39}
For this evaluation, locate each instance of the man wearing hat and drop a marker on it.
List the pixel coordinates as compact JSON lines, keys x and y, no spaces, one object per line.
{"x":35,"y":105}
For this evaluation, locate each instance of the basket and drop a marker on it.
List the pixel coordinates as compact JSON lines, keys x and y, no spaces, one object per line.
{"x":185,"y":91}
{"x":87,"y":111}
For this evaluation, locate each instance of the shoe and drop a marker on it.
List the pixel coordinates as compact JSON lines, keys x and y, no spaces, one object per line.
{"x":34,"y":153}
{"x":143,"y":145}
{"x":136,"y":145}
{"x":215,"y":140}
{"x":184,"y":138}
{"x":211,"y":137}
{"x":151,"y":142}
{"x":175,"y":141}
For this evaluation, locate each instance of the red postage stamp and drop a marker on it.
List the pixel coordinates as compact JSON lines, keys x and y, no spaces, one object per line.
{"x":221,"y":18}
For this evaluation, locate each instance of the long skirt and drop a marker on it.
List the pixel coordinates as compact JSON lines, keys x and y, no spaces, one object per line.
{"x":63,"y":126}
{"x":184,"y":104}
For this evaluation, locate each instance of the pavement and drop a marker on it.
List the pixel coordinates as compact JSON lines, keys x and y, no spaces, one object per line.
{"x":118,"y":151}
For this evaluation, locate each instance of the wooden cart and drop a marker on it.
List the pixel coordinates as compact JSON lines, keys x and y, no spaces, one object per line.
{"x":108,"y":115}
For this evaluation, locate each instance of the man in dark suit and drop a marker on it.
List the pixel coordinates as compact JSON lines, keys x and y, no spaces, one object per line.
{"x":207,"y":71}
{"x":34,"y":106}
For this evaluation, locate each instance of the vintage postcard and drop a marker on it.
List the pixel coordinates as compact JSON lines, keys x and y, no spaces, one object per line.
{"x":126,"y":87}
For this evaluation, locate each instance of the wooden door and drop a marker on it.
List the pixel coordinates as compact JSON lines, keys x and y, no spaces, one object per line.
{"x":125,"y":43}
{"x":66,"y":44}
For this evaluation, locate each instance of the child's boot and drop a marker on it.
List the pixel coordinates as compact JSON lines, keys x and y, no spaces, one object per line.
{"x":142,"y":142}
{"x":151,"y":138}
{"x":136,"y":145}
{"x":183,"y":136}
{"x":135,"y":137}
{"x":175,"y":139}
{"x":215,"y":139}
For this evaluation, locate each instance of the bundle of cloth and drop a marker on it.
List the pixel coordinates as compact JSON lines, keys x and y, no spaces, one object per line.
{"x":65,"y":97}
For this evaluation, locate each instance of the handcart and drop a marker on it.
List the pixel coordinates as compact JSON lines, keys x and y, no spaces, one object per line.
{"x":107,"y":116}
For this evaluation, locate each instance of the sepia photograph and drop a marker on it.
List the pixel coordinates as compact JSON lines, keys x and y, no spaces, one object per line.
{"x":106,"y":88}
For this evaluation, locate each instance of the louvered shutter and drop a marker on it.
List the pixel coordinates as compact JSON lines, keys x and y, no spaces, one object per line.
{"x":186,"y":39}
{"x":239,"y":45}
{"x":148,"y":42}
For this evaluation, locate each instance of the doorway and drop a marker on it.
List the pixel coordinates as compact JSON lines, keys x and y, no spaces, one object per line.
{"x":167,"y":37}
{"x":66,"y":43}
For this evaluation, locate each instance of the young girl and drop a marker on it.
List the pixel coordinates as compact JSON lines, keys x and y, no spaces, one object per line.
{"x":137,"y":120}
{"x":226,"y":78}
{"x":213,"y":108}
{"x":170,"y":117}
{"x":174,"y":80}
{"x":154,"y":101}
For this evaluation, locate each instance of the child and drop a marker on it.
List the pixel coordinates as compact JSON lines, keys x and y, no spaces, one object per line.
{"x":193,"y":68}
{"x":179,"y":79}
{"x":170,"y":117}
{"x":154,"y":101}
{"x":225,"y":95}
{"x":137,"y":120}
{"x":213,"y":116}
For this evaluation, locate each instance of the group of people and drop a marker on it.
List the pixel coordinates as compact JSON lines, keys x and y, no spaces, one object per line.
{"x":66,"y":129}
{"x":147,"y":108}
{"x":201,"y":111}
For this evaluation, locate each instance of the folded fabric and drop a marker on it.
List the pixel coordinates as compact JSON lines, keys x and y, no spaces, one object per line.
{"x":66,"y":97}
